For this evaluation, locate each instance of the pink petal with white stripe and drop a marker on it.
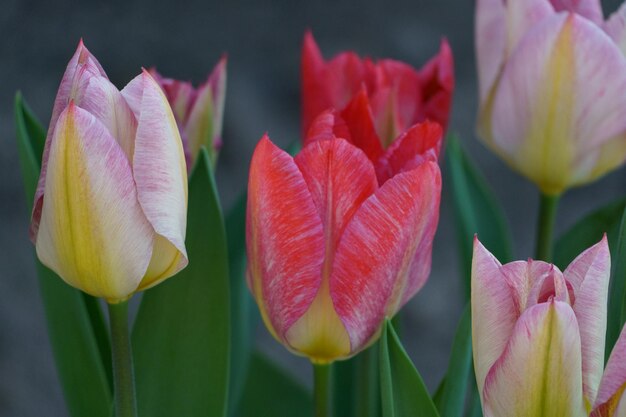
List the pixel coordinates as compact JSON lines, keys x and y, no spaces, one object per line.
{"x":374,"y":256}
{"x":160,"y":173}
{"x":610,"y":399}
{"x":588,"y":276}
{"x":285,"y":239}
{"x":494,"y":312}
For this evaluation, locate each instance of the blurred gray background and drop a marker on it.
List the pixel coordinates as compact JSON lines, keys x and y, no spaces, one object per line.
{"x":184,"y":40}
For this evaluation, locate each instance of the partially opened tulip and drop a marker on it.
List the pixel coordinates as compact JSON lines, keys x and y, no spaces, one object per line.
{"x":397,"y":95}
{"x":198,"y":111}
{"x":552,"y":77}
{"x":331,"y":252}
{"x":110,"y":209}
{"x":539,"y":333}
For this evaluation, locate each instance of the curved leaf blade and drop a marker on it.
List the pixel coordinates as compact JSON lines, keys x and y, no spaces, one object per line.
{"x":403,"y":392}
{"x":181,"y":336}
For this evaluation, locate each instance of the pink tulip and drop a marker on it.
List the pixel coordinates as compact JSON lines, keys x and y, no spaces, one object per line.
{"x":198,"y":111}
{"x":552,"y":75}
{"x":538,"y":336}
{"x":331,"y":252}
{"x":111,"y":205}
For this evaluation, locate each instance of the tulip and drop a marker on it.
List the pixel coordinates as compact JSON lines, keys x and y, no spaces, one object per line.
{"x":551,"y":79}
{"x":109,"y":215}
{"x":198,"y":111}
{"x":539,"y":333}
{"x":331,"y":252}
{"x":397,"y":95}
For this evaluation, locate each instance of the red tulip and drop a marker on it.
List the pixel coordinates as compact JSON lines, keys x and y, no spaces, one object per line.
{"x":331,"y":252}
{"x":397,"y":95}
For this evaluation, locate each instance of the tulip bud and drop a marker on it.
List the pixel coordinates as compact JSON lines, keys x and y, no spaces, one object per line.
{"x":110,"y":209}
{"x":198,"y":111}
{"x":331,"y":253}
{"x":552,"y":76}
{"x":398,"y":96}
{"x":538,"y":333}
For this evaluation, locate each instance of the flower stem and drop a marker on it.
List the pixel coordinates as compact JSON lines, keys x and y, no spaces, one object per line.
{"x":545,"y":227}
{"x":123,"y":374}
{"x":366,"y":381}
{"x":321,"y":389}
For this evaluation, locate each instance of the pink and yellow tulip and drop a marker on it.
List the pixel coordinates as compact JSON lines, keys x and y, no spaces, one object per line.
{"x":552,"y":76}
{"x":331,"y":251}
{"x":198,"y":111}
{"x":110,"y":209}
{"x":539,"y":334}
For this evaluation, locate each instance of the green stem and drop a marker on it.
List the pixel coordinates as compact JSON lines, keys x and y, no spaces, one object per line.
{"x":321,"y":390}
{"x":545,"y":227}
{"x":123,"y":374}
{"x":367,"y":383}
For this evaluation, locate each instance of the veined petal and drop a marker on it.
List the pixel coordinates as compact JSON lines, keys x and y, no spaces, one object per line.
{"x":615,"y":27}
{"x":200,"y":125}
{"x":93,"y":232}
{"x":374,"y":256}
{"x":106,"y":103}
{"x":160,"y":173}
{"x":339,"y":177}
{"x":82,"y":67}
{"x":494,"y":312}
{"x":539,"y":373}
{"x":590,"y":9}
{"x":327,"y":126}
{"x":610,"y":401}
{"x":589,"y":275}
{"x":285,"y":239}
{"x":217,"y":83}
{"x":565,"y":115}
{"x":534,"y":282}
{"x":358,"y":118}
{"x":422,"y":142}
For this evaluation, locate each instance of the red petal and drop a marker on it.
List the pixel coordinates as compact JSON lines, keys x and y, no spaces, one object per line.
{"x":358,"y":117}
{"x":285,"y":239}
{"x":438,"y":85}
{"x":328,"y":125}
{"x":374,"y":270}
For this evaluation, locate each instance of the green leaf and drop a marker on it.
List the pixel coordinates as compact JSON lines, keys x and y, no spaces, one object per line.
{"x":403,"y":391}
{"x":587,"y":232}
{"x":450,"y":400}
{"x":270,"y":392}
{"x":181,"y":336}
{"x":75,"y":345}
{"x":476,"y":210}
{"x":244,"y":315}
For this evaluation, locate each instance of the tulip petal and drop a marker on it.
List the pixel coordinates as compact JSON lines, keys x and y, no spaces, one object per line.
{"x":93,"y":231}
{"x":539,"y":373}
{"x":615,"y":27}
{"x":553,"y":112}
{"x":374,"y":258}
{"x":314,"y":99}
{"x":327,"y":126}
{"x":200,"y":125}
{"x":160,"y":173}
{"x":358,"y":118}
{"x":490,"y":28}
{"x":611,"y":393}
{"x":590,"y":9}
{"x":285,"y":239}
{"x":217,"y":82}
{"x":422,"y":142}
{"x":106,"y":103}
{"x":588,"y":275}
{"x":493,"y":311}
{"x":82,"y":67}
{"x":437,"y":84}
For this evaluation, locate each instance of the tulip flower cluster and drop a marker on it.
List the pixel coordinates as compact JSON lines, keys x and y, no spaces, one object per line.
{"x":339,"y":237}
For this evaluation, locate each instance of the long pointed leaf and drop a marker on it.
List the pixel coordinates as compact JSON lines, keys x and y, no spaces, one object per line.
{"x":181,"y":335}
{"x":269,"y":392}
{"x":403,"y":392}
{"x":476,"y":210}
{"x":75,"y":344}
{"x":451,"y":399}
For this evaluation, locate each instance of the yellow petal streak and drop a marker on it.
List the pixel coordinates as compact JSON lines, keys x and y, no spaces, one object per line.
{"x":547,"y":153}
